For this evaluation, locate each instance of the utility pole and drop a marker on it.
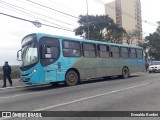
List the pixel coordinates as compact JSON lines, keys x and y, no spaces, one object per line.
{"x":87,"y":18}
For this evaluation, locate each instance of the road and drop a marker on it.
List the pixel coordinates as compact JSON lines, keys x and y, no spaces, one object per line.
{"x":137,"y":93}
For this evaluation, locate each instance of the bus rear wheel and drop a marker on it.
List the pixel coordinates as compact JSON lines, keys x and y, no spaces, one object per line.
{"x":125,"y":72}
{"x":71,"y":78}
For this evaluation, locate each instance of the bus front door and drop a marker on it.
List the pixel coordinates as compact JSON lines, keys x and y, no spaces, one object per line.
{"x":50,"y":53}
{"x":50,"y":74}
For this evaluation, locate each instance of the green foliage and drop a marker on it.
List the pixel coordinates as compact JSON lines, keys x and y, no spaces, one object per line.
{"x":101,"y":28}
{"x":154,"y":45}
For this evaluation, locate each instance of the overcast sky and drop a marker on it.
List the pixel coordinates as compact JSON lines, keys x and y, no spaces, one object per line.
{"x":12,"y":30}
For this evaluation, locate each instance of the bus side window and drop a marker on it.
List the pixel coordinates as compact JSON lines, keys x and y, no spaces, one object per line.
{"x":132,"y":53}
{"x":76,"y":53}
{"x":89,"y":50}
{"x":103,"y":51}
{"x":124,"y":52}
{"x":139,"y":53}
{"x":114,"y":51}
{"x":71,"y":48}
{"x":50,"y":52}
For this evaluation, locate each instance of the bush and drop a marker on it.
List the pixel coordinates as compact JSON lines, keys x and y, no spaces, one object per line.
{"x":14,"y":75}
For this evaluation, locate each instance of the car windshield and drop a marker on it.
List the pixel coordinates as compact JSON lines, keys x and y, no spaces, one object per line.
{"x":29,"y":54}
{"x":155,"y":63}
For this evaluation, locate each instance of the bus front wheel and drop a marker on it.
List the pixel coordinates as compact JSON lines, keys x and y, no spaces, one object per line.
{"x":71,"y":78}
{"x":125,"y":72}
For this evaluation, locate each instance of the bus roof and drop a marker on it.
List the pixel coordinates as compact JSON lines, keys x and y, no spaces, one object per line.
{"x":84,"y":40}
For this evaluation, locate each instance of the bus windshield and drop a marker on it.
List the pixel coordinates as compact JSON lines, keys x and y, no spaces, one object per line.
{"x":29,"y":54}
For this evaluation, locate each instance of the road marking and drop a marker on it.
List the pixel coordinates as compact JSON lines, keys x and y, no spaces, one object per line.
{"x":90,"y":97}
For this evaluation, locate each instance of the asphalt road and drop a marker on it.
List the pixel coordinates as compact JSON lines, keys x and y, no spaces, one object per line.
{"x":137,"y":93}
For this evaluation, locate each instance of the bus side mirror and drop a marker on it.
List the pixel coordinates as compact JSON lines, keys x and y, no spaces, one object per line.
{"x":19,"y":55}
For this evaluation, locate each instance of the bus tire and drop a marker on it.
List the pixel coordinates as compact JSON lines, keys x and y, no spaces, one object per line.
{"x":71,"y":78}
{"x":150,"y":71}
{"x":125,"y":72}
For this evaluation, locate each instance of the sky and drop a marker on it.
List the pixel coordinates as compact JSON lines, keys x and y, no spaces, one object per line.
{"x":12,"y":30}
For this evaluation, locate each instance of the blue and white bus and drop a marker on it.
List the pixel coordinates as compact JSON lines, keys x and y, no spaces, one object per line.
{"x":53,"y":59}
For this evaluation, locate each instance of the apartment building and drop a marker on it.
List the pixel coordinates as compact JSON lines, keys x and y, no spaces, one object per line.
{"x":126,"y":13}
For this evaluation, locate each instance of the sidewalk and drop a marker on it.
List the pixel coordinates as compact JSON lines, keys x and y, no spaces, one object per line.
{"x":15,"y":83}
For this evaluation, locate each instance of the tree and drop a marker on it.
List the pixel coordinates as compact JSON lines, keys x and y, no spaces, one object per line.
{"x":144,"y":44}
{"x":114,"y":34}
{"x":152,"y":43}
{"x":131,"y":35}
{"x":101,"y":28}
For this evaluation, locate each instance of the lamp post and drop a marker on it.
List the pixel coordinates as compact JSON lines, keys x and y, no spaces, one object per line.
{"x":87,"y":18}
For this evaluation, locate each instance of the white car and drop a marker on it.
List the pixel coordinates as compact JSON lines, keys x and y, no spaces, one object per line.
{"x":154,"y":66}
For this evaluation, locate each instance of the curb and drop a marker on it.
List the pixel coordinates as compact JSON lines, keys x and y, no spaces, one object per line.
{"x":23,"y":86}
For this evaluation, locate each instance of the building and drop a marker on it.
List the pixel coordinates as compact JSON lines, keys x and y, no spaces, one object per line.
{"x":126,"y":13}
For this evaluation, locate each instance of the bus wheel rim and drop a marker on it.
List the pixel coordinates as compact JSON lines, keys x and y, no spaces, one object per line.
{"x":71,"y":78}
{"x":125,"y":72}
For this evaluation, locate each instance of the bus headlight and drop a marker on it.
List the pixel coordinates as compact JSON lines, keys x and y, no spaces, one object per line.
{"x":34,"y":70}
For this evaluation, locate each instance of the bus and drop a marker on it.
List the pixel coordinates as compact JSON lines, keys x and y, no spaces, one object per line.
{"x":53,"y":59}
